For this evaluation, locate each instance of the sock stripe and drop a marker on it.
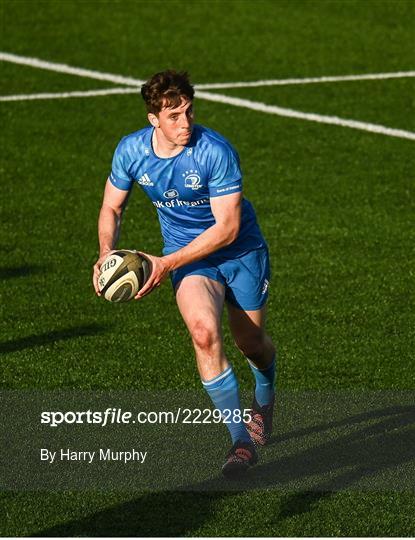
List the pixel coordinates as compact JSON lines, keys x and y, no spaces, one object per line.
{"x":253,"y":366}
{"x":218,"y":377}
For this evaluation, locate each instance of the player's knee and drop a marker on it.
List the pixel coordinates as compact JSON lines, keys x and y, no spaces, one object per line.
{"x":205,"y":336}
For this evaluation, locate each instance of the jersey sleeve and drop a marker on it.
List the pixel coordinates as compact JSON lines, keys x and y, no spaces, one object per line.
{"x":225,"y":175}
{"x":119,"y":176}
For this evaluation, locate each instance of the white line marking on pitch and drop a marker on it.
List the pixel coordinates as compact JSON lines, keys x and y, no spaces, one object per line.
{"x":334,"y":120}
{"x":76,"y":94}
{"x":220,"y":98}
{"x":64,"y":68}
{"x":120,"y":79}
{"x":310,"y":80}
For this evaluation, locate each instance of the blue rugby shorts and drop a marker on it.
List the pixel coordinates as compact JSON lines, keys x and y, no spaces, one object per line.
{"x":246,"y":278}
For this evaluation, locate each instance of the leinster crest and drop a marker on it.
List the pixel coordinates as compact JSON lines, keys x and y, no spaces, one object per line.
{"x":192,"y":179}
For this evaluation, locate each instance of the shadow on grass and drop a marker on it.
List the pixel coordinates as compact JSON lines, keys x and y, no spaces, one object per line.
{"x":20,"y":271}
{"x":51,"y":337}
{"x":332,"y":466}
{"x":359,"y":456}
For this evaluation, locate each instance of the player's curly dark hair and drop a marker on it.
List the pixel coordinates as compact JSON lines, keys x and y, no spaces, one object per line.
{"x":167,"y":89}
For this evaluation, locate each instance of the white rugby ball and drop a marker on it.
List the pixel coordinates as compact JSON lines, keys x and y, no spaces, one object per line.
{"x":123,"y":274}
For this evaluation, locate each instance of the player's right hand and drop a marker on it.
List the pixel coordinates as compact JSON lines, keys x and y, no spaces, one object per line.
{"x":96,"y":270}
{"x":160,"y":271}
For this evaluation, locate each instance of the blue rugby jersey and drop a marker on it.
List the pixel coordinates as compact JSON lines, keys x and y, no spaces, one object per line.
{"x":180,"y":187}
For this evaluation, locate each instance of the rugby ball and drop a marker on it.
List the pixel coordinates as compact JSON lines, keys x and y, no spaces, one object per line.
{"x":123,"y":273}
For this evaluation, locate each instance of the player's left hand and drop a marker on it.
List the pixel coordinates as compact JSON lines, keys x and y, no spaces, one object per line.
{"x":160,"y":271}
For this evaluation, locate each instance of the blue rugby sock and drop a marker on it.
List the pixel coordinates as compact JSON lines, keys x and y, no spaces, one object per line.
{"x":264,"y":383}
{"x":223,"y":390}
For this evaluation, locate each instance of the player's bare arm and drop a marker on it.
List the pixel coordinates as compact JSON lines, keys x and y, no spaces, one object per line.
{"x":109,"y":223}
{"x":227,"y":213}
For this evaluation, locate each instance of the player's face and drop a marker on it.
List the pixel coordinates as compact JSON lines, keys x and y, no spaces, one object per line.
{"x":177,"y":124}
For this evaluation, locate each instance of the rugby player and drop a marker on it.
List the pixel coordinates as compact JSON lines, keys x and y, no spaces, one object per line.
{"x":213,"y":250}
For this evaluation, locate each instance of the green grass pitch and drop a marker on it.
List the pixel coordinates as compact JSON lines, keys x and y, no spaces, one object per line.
{"x":335,"y":204}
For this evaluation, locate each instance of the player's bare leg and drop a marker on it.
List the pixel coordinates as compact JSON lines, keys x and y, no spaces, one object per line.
{"x":248,"y":330}
{"x":200,"y":301}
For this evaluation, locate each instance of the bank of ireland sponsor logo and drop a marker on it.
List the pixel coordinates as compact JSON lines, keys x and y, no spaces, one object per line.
{"x":178,"y":203}
{"x":229,"y":188}
{"x":171,"y":193}
{"x":145,"y":181}
{"x":192,"y":179}
{"x":265,"y":287}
